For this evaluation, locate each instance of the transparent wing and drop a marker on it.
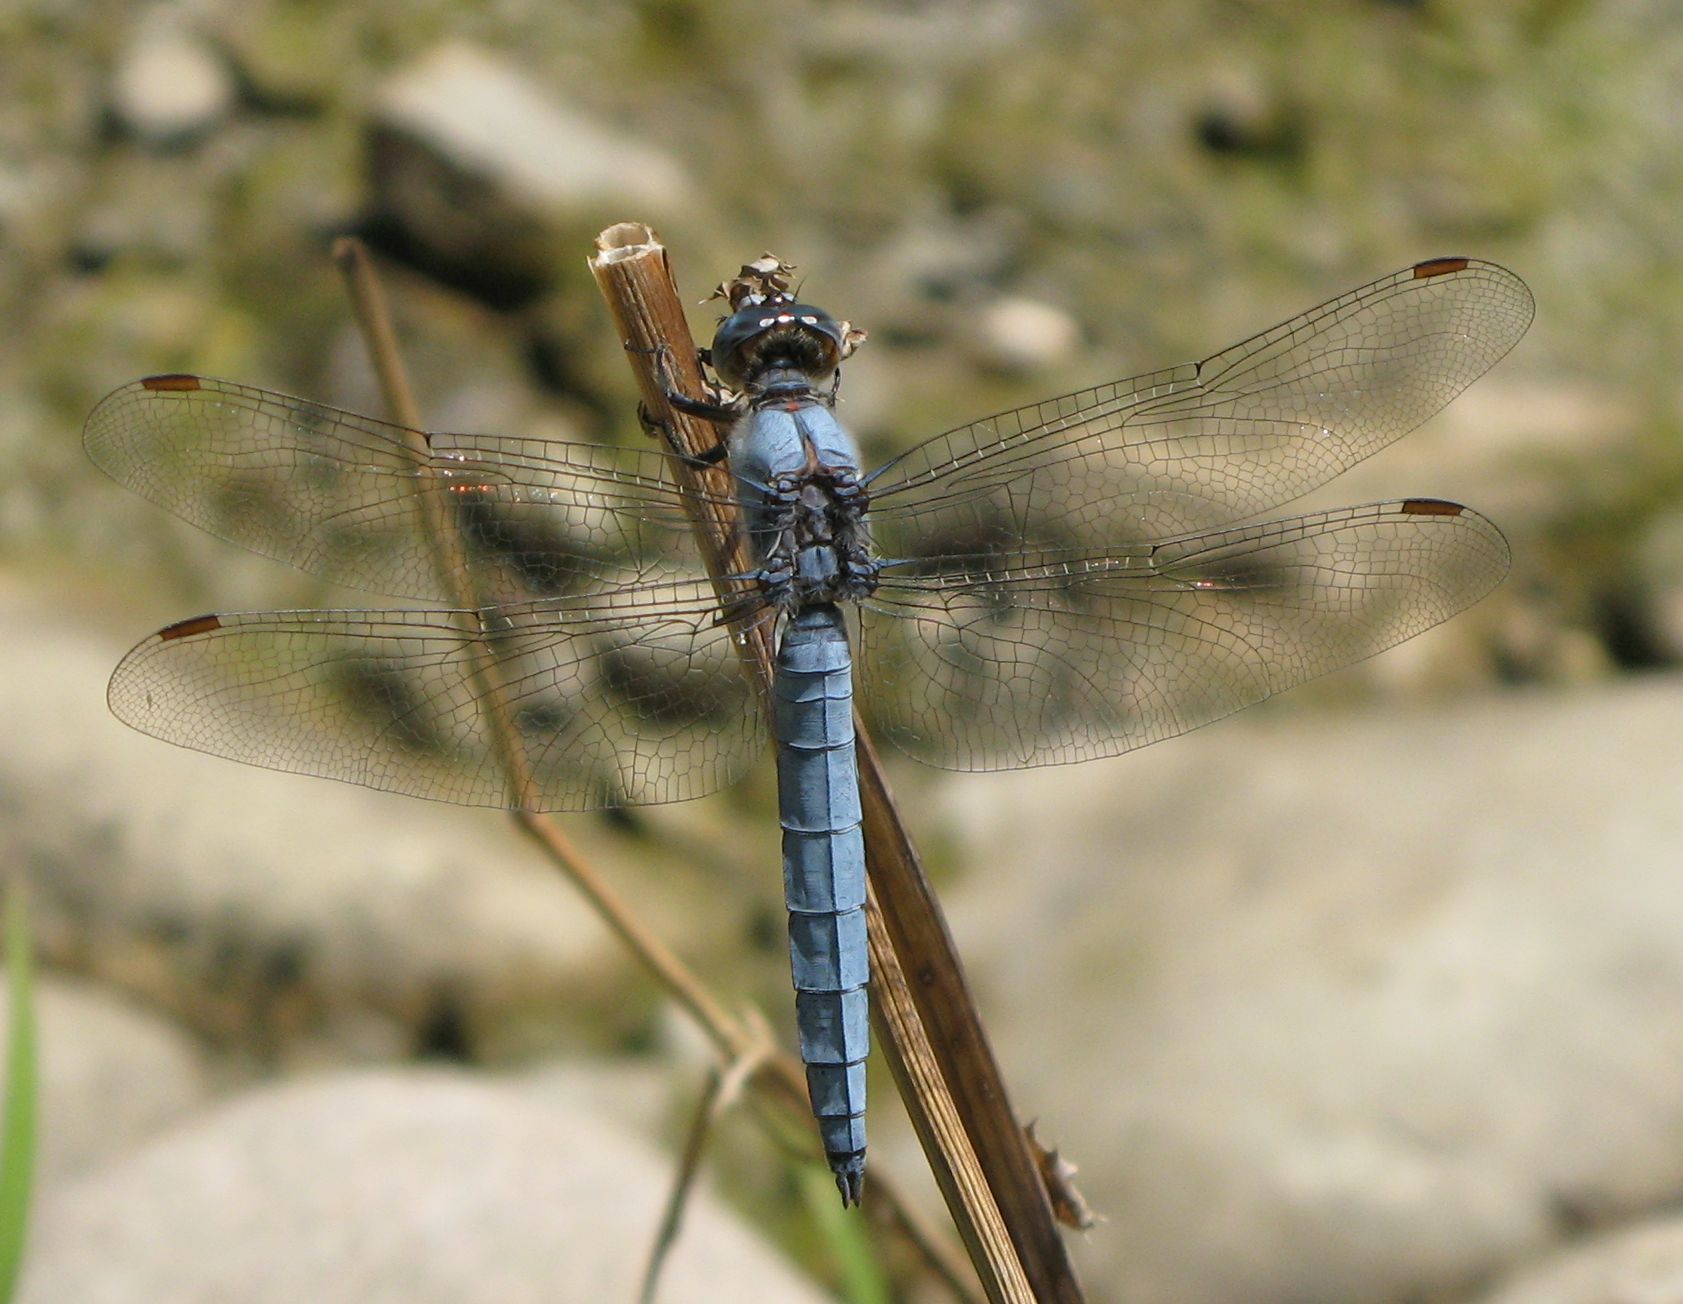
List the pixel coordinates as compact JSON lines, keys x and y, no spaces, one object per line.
{"x":1005,"y":660}
{"x":1210,"y":442}
{"x":347,"y":496}
{"x":621,"y":698}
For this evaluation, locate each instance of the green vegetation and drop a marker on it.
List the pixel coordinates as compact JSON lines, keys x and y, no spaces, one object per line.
{"x":17,"y":1118}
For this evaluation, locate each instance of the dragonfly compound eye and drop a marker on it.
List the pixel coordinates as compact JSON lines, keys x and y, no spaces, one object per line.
{"x":777,"y":334}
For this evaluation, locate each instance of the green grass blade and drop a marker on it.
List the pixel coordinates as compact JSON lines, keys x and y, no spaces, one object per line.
{"x":844,"y":1232}
{"x":17,"y":1118}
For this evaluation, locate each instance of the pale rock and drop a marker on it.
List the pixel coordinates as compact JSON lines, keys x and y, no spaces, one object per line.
{"x":170,"y":87}
{"x":110,"y":1074}
{"x":489,"y":175}
{"x":419,"y":1187}
{"x":1014,"y":333}
{"x":1344,"y":1008}
{"x":1634,"y":1265}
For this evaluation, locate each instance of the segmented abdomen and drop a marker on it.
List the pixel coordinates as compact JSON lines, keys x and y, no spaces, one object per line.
{"x":824,"y":878}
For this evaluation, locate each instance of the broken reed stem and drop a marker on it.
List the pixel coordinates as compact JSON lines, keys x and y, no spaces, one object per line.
{"x":733,"y":1040}
{"x":929,"y":1027}
{"x":915,"y":930}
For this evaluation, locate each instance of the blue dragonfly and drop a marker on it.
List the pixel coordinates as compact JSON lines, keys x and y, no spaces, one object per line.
{"x":1064,"y":581}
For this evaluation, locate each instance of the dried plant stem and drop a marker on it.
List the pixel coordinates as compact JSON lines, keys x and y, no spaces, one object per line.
{"x":929,"y":1028}
{"x":724,"y":1088}
{"x":734,"y":1040}
{"x":374,"y":320}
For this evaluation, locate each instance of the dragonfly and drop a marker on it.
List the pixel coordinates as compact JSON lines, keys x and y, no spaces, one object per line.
{"x":1056,"y":583}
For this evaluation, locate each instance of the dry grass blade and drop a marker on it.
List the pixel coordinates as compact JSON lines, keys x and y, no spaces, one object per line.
{"x":929,"y":1027}
{"x":781,"y":1079}
{"x":724,"y":1089}
{"x":373,"y":319}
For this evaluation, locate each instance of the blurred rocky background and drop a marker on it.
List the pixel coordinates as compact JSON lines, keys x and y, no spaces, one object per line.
{"x":1370,"y":995}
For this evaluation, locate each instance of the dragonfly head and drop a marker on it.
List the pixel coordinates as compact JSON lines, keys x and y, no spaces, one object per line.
{"x":778,"y":334}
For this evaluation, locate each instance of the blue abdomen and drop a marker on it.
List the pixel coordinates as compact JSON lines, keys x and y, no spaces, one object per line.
{"x":824,"y":877}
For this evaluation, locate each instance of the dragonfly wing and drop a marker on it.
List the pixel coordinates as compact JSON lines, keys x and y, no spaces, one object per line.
{"x":1044,"y":657}
{"x":354,"y":499}
{"x":1210,"y":442}
{"x":622,"y":698}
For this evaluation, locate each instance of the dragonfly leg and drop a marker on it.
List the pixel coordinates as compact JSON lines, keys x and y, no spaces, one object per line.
{"x":768,"y":587}
{"x":722,"y":414}
{"x":713,"y":409}
{"x":718,"y":407}
{"x":655,"y":428}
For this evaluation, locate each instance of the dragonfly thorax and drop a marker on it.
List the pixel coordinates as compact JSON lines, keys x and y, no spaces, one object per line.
{"x":809,"y":535}
{"x":803,"y":503}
